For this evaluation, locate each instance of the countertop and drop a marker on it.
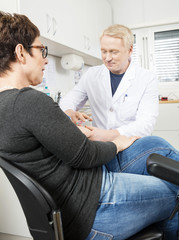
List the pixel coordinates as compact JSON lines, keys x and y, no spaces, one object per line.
{"x":169,"y":101}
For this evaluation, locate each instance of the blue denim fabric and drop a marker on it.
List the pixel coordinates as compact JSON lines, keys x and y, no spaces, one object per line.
{"x":130,"y":202}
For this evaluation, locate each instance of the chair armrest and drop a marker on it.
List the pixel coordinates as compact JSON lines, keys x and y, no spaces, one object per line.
{"x":163,"y":167}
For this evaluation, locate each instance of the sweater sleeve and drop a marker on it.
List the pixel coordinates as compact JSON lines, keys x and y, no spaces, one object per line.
{"x":40,"y":116}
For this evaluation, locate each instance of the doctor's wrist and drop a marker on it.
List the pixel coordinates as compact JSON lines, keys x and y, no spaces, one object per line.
{"x":112,"y":134}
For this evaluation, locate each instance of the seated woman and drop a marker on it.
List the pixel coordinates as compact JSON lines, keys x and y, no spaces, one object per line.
{"x":35,"y":134}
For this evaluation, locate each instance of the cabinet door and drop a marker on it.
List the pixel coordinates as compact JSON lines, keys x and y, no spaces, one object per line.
{"x":160,"y":11}
{"x":8,"y":6}
{"x":168,"y":119}
{"x":81,"y":22}
{"x":127,"y":12}
{"x":167,"y":125}
{"x":171,"y":136}
{"x":67,"y":16}
{"x":74,"y":24}
{"x":38,"y":13}
{"x":57,"y":20}
{"x":96,"y":17}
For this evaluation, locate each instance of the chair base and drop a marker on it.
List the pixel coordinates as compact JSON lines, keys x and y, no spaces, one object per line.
{"x":149,"y":233}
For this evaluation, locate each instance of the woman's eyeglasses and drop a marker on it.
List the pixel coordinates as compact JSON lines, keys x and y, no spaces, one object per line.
{"x":44,"y":49}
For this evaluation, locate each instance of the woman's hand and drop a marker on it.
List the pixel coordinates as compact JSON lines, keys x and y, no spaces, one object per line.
{"x":123,"y":142}
{"x":85,"y":131}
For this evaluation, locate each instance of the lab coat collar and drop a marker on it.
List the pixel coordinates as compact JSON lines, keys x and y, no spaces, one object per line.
{"x":106,"y":83}
{"x":124,"y":84}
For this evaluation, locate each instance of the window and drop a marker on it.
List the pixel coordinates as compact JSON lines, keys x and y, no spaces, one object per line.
{"x":166,"y":45}
{"x":157,"y":48}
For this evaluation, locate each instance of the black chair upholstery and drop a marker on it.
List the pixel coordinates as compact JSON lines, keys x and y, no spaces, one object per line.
{"x":43,"y":217}
{"x":166,"y":169}
{"x":148,"y":233}
{"x":163,"y":167}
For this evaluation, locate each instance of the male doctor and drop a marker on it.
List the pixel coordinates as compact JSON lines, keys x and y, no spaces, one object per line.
{"x":123,"y":96}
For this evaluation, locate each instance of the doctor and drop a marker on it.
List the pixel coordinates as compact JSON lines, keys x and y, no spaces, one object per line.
{"x":123,"y":97}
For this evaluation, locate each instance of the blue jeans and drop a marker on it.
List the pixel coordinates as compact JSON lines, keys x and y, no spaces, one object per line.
{"x":130,"y":202}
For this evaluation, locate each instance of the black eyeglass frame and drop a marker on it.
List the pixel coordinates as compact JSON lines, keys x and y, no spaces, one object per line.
{"x":43,"y":48}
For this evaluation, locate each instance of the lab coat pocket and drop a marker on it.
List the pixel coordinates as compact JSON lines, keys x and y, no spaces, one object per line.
{"x":129,"y":108}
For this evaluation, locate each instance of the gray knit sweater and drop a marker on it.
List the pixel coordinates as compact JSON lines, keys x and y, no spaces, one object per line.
{"x":38,"y":136}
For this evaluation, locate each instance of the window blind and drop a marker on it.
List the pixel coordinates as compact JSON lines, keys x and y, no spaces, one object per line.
{"x":166,"y":45}
{"x":134,"y":53}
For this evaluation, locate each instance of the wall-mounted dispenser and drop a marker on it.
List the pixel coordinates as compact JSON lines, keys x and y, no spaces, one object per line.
{"x":72,"y":62}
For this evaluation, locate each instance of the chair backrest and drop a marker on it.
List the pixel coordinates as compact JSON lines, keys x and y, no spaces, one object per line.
{"x":38,"y":206}
{"x":166,"y":169}
{"x":163,"y":167}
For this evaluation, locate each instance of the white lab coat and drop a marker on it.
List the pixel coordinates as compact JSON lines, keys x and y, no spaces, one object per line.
{"x":132,"y":110}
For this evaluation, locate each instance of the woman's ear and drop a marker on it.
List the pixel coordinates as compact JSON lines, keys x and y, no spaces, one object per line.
{"x":20,"y":53}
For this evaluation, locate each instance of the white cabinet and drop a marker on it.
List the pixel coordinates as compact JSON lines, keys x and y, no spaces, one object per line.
{"x":144,"y":47}
{"x":8,"y":6}
{"x":46,"y":16}
{"x":141,"y":13}
{"x":160,"y":11}
{"x":127,"y":12}
{"x":96,"y":16}
{"x":167,"y":125}
{"x":73,"y":24}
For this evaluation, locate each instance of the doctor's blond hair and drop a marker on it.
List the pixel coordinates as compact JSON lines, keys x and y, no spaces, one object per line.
{"x":120,"y":31}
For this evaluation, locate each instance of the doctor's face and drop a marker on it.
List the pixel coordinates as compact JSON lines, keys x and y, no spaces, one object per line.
{"x":114,"y":54}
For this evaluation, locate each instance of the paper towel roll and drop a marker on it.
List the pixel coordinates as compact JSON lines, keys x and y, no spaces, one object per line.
{"x":72,"y":62}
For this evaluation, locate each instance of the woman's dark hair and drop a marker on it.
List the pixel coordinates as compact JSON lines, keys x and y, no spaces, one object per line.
{"x":14,"y":29}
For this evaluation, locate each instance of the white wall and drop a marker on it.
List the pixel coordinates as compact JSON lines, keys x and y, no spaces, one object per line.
{"x":140,"y":13}
{"x":169,"y":89}
{"x":57,"y":78}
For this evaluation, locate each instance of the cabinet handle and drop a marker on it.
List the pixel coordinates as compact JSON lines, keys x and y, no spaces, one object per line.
{"x":89,"y":44}
{"x":143,"y":65}
{"x":54,"y":26}
{"x":147,"y":55}
{"x":145,"y":52}
{"x":85,"y":42}
{"x":49,"y":23}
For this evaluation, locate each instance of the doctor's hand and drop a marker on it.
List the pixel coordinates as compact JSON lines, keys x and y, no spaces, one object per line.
{"x":77,"y":116}
{"x":99,"y":134}
{"x":123,"y":142}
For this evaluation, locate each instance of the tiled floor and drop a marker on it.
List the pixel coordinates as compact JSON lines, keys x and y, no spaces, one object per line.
{"x":4,"y":236}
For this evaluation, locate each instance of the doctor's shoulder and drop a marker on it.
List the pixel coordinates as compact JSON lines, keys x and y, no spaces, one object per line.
{"x":95,"y":71}
{"x":96,"y":68}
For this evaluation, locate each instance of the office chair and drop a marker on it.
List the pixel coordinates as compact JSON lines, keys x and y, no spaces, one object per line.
{"x":44,"y":218}
{"x":42,"y":215}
